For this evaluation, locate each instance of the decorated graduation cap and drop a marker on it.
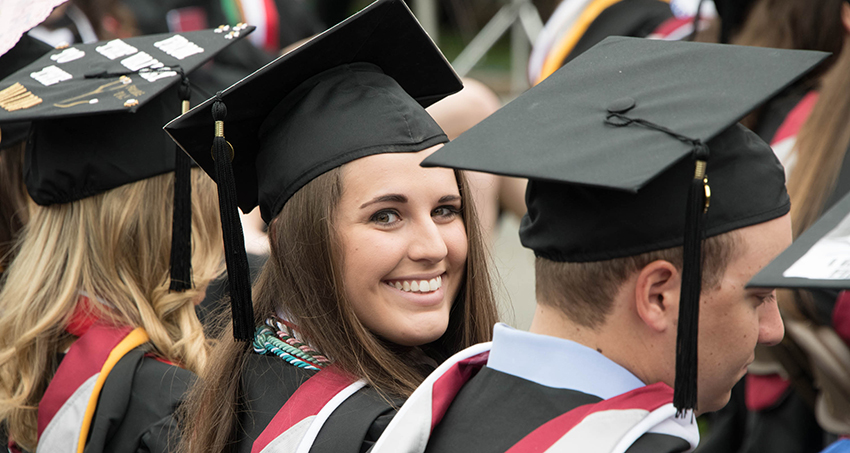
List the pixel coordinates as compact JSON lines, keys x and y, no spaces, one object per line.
{"x":26,"y":51}
{"x":97,"y":111}
{"x":632,"y":147}
{"x":818,"y":259}
{"x":357,"y":89}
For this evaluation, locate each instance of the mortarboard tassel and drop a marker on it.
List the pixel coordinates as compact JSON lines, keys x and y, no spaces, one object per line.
{"x":238,"y":274}
{"x":687,"y":334}
{"x":685,"y":386}
{"x":181,"y":225}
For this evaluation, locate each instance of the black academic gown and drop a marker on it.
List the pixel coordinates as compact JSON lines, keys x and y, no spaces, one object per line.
{"x":136,"y":406}
{"x":133,"y":410}
{"x":495,"y":410}
{"x":268,"y":382}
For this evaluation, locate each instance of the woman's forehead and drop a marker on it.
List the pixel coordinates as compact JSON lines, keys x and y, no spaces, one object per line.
{"x":396,"y":173}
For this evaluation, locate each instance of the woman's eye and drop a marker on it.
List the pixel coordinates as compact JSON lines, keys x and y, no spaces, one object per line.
{"x":385,"y":217}
{"x":446,"y":211}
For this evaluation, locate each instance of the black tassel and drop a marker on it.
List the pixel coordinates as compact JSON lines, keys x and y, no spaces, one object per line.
{"x":238,"y":274}
{"x":181,"y":224}
{"x":685,"y":386}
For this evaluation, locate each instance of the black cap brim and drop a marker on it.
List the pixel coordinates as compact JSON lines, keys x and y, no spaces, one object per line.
{"x":556,"y":131}
{"x":385,"y":34}
{"x":818,"y":259}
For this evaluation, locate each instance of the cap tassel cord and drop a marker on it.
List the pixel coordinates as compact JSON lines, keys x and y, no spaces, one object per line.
{"x":181,"y":226}
{"x":685,"y":385}
{"x":236,"y":258}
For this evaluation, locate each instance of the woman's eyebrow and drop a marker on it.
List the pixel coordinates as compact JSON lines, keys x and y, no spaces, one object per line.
{"x":379,"y":199}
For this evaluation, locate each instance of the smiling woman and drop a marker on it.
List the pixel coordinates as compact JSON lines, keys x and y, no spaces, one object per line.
{"x":403,"y":253}
{"x":377,"y":269}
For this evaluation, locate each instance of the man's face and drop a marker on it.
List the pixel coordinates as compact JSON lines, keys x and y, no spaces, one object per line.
{"x":733,"y":319}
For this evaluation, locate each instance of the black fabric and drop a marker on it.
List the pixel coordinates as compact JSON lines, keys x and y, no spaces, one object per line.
{"x":601,"y":223}
{"x":789,"y":426}
{"x":101,"y":65}
{"x":635,"y":18}
{"x":136,"y":406}
{"x":319,"y":126}
{"x":216,"y":299}
{"x":557,"y":130}
{"x":589,"y":179}
{"x":776,"y":110}
{"x":92,"y":134}
{"x":268,"y":382}
{"x":356,"y":424}
{"x":337,"y":116}
{"x":733,"y":14}
{"x":25,"y":52}
{"x":495,"y":410}
{"x":120,"y":152}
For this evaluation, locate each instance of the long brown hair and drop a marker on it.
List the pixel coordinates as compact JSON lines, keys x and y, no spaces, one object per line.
{"x":794,"y":24}
{"x":820,"y":149}
{"x":302,"y":278}
{"x":114,"y":246}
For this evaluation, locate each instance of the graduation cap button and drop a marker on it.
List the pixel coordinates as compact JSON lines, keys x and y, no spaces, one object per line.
{"x":621,"y":105}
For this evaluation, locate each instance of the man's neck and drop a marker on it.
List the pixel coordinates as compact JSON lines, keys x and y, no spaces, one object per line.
{"x":549,"y":320}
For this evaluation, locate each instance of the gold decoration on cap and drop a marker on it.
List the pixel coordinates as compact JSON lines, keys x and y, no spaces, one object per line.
{"x":131,"y":102}
{"x":62,"y":45}
{"x":219,"y":132}
{"x":17,"y":97}
{"x":699,"y":173}
{"x":186,"y":106}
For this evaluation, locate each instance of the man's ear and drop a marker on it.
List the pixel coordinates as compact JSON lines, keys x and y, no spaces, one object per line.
{"x":657,"y":289}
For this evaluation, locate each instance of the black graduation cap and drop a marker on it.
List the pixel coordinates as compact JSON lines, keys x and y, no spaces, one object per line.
{"x":818,"y":259}
{"x":97,"y":111}
{"x":357,"y":89}
{"x":26,"y":51}
{"x":622,"y":146}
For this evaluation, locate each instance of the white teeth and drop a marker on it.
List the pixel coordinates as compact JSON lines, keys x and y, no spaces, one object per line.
{"x":419,"y":286}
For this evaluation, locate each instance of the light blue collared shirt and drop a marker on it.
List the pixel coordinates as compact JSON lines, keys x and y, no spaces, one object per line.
{"x":559,"y":363}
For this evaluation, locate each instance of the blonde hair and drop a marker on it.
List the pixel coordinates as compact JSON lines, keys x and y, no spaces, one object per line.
{"x":114,"y":246}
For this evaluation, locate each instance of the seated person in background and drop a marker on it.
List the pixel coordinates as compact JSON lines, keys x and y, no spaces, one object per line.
{"x":99,"y":339}
{"x":640,"y":273}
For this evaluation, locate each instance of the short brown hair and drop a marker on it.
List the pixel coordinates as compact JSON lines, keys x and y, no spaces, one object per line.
{"x":585,"y":291}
